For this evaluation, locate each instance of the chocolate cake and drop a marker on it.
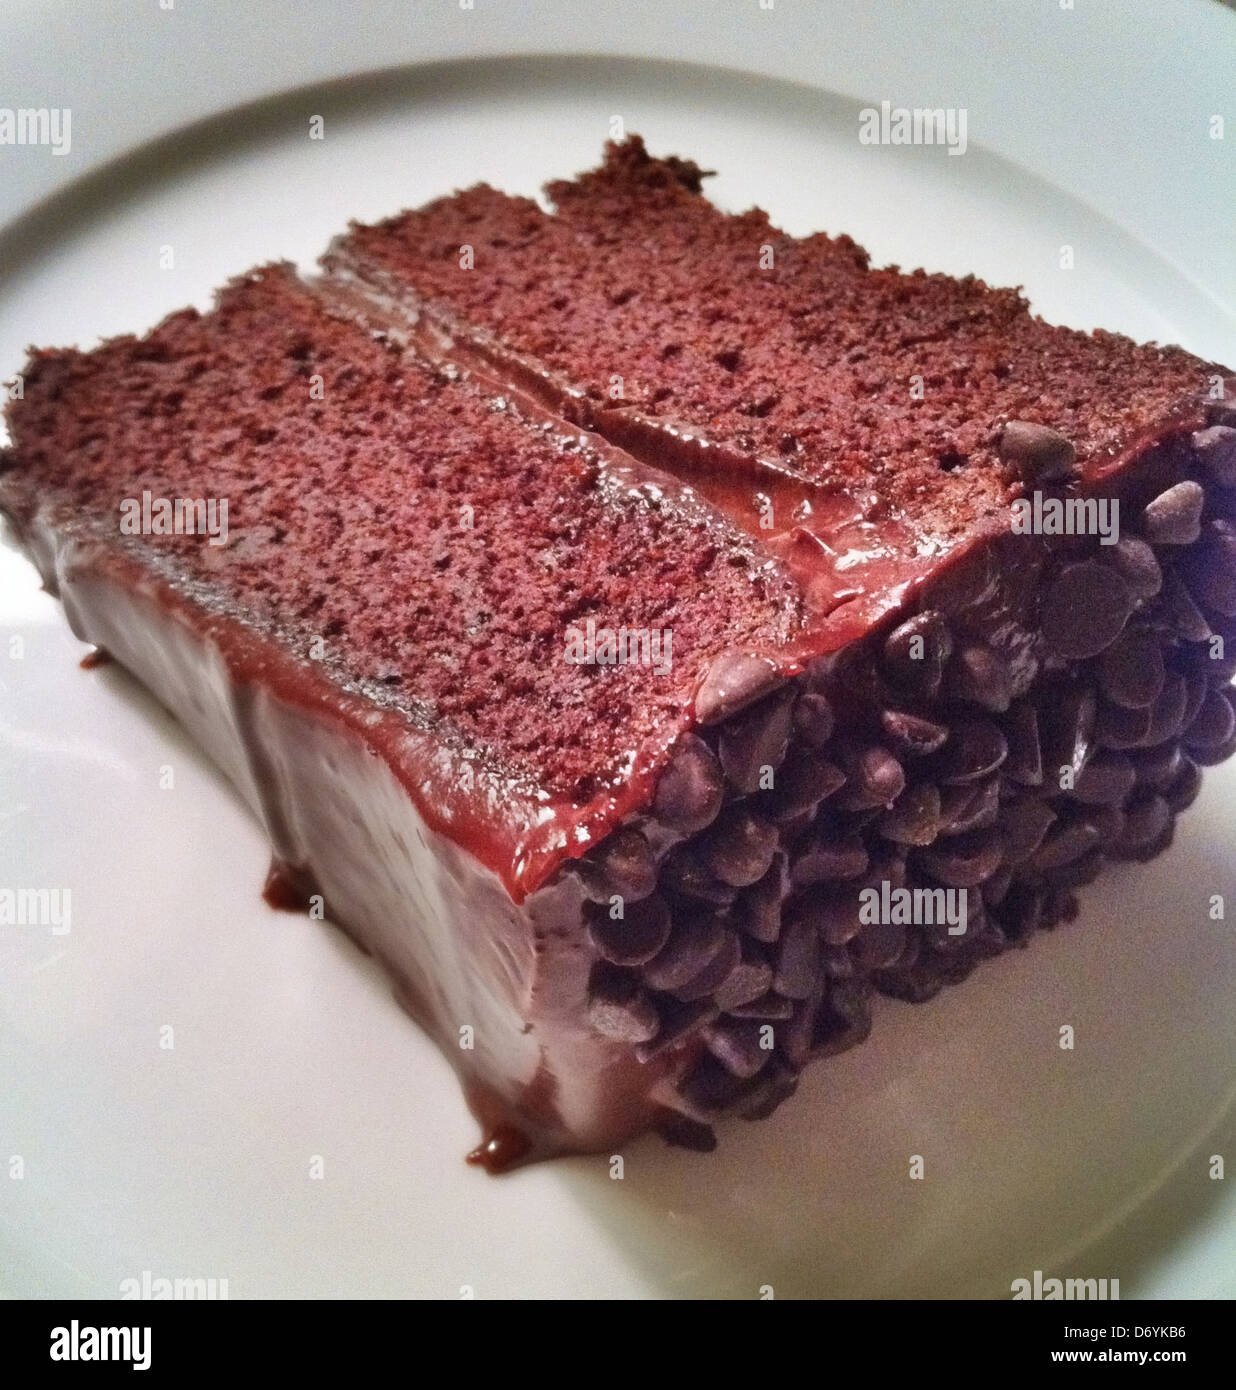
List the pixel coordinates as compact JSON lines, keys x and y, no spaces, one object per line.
{"x":649,"y":634}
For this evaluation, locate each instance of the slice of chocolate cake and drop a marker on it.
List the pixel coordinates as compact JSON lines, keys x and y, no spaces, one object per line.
{"x":652,"y":635}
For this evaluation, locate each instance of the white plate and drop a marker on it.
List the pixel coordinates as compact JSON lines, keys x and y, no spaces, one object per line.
{"x":196,"y":1161}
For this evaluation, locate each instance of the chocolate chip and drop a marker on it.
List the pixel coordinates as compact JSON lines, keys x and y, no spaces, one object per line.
{"x":878,"y":945}
{"x":797,"y":967}
{"x":974,"y":750}
{"x":908,"y":733}
{"x":813,"y":718}
{"x":736,"y":1044}
{"x":825,"y":859}
{"x":695,"y":939}
{"x":691,"y":788}
{"x":1216,"y":452}
{"x":705,"y":984}
{"x":1213,"y":725}
{"x":685,"y":874}
{"x":1025,"y":753}
{"x":995,"y":890}
{"x":980,"y":676}
{"x":708,"y":1088}
{"x":679,"y":1022}
{"x":974,"y":806}
{"x":1158,"y":767}
{"x":1175,"y":516}
{"x":734,"y":681}
{"x":750,"y":979}
{"x":753,"y":745}
{"x":1118,"y":728}
{"x":802,"y":784}
{"x":636,"y":937}
{"x":1069,"y":733}
{"x":1082,"y":870}
{"x":837,"y":962}
{"x":682,"y":1132}
{"x":832,"y":913}
{"x":913,"y":819}
{"x":1023,"y":825}
{"x":1182,"y":793}
{"x":915,"y":653}
{"x":1209,"y":569}
{"x":1181,"y":613}
{"x":795,"y":1037}
{"x":768,"y":1007}
{"x":621,"y":866}
{"x":964,"y":861}
{"x":1039,"y":454}
{"x":619,"y":1009}
{"x":915,"y":985}
{"x":1065,"y":844}
{"x":758,"y":910}
{"x":1084,"y":610}
{"x":842,"y":1021}
{"x":1137,"y":564}
{"x":1105,"y":780}
{"x":1131,"y":670}
{"x":874,"y":778}
{"x":1195,"y":694}
{"x":1167,"y":716}
{"x":739,"y":847}
{"x":1146,"y":822}
{"x":774,"y":1085}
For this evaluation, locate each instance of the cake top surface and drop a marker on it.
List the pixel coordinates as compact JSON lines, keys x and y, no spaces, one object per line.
{"x":793,"y":350}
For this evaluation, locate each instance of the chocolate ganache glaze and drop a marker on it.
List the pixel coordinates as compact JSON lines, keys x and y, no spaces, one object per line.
{"x":866,"y":691}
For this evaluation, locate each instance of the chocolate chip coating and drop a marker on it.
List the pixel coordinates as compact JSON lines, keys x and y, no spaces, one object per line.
{"x":1023,"y":825}
{"x":973,"y":806}
{"x":1178,"y":609}
{"x":874,"y":778}
{"x":1084,"y":610}
{"x":1065,"y":844}
{"x":1175,"y":515}
{"x":825,"y":858}
{"x":691,"y":788}
{"x":1038,"y":454}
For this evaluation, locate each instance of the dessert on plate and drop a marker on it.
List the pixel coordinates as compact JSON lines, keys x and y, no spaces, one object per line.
{"x":651,"y":635}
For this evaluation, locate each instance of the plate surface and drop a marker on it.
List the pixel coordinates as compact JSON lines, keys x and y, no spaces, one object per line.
{"x":301,"y":1138}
